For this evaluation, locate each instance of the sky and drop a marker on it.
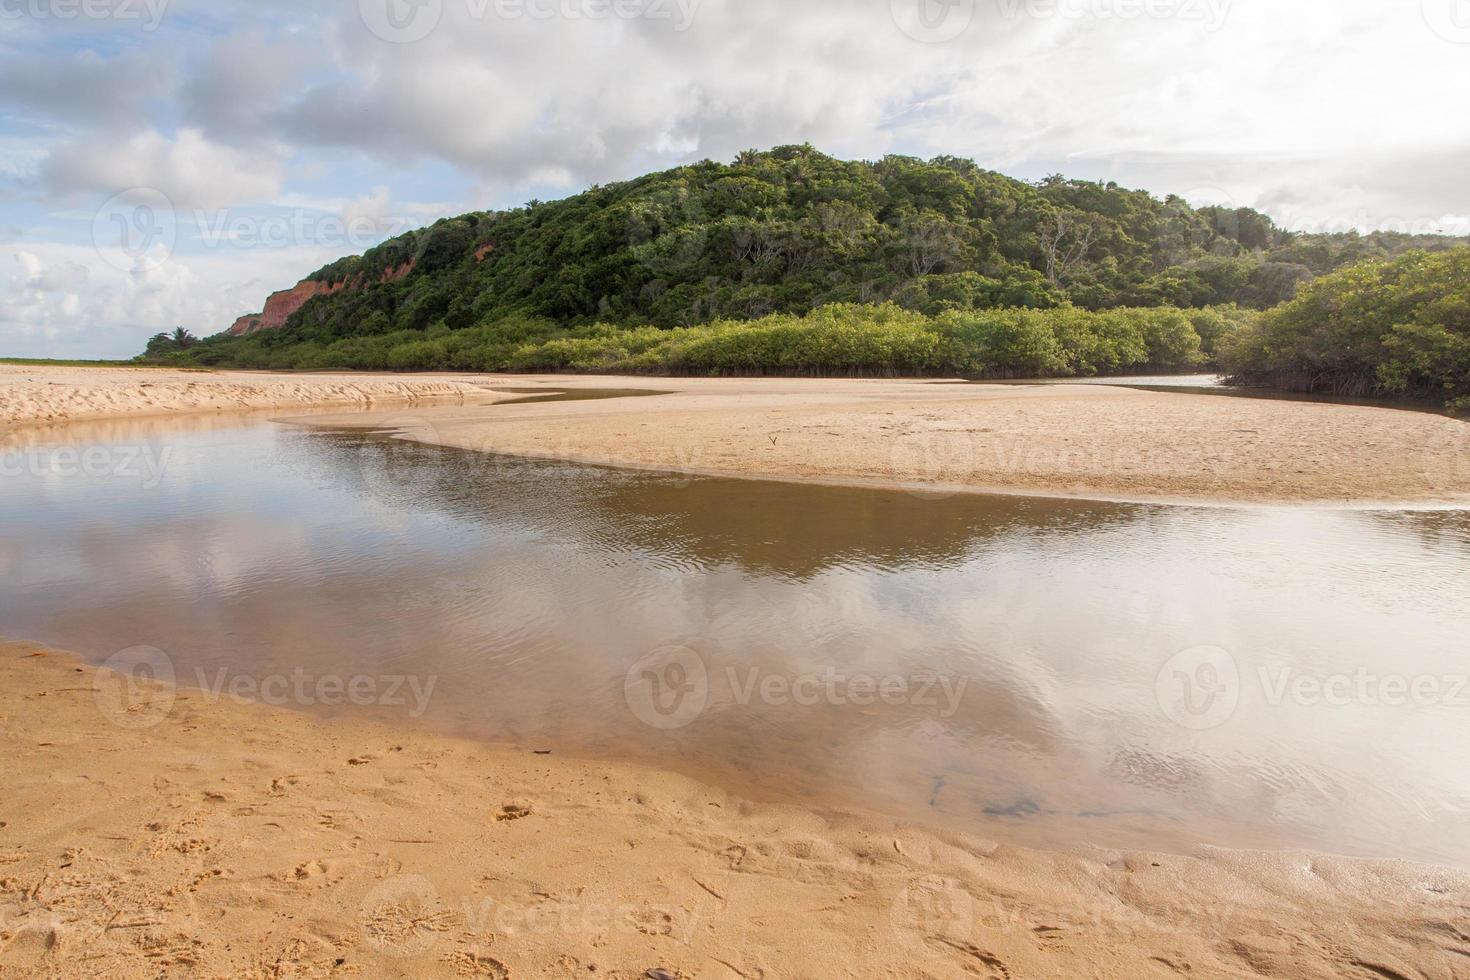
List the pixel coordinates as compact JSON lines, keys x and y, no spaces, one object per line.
{"x":170,"y":163}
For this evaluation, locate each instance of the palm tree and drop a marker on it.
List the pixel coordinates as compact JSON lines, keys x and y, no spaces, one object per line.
{"x":183,"y":338}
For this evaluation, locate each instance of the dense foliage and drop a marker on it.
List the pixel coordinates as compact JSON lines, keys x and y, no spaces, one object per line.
{"x":792,"y":261}
{"x":1381,"y":327}
{"x":860,"y":339}
{"x":162,"y":344}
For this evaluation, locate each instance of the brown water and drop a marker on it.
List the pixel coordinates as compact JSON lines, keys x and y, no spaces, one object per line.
{"x":1040,"y":671}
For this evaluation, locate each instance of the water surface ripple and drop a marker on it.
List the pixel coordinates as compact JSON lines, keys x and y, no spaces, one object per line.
{"x":528,"y":590}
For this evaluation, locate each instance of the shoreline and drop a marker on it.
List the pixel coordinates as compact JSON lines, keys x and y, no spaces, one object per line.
{"x":992,"y":440}
{"x":36,"y":396}
{"x":238,"y":838}
{"x":1088,"y":442}
{"x":229,"y":837}
{"x":936,"y":490}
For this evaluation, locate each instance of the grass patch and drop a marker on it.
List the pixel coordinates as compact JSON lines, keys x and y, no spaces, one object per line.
{"x":58,"y":362}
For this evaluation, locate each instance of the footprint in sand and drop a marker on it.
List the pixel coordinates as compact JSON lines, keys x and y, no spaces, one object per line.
{"x":472,"y":963}
{"x":513,"y":811}
{"x":310,"y":869}
{"x":403,"y":916}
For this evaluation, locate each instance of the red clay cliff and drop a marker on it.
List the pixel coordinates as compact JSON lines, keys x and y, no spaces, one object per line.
{"x":279,"y":306}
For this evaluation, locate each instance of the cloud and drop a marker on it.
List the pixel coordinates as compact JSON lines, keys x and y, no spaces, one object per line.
{"x":84,"y":87}
{"x":190,"y":170}
{"x":234,"y":87}
{"x":1326,"y":113}
{"x":511,"y":99}
{"x":571,"y":92}
{"x":514,"y":100}
{"x":61,"y":301}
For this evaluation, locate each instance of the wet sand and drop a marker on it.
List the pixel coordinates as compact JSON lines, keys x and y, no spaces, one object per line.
{"x":1092,"y":441}
{"x":145,"y":831}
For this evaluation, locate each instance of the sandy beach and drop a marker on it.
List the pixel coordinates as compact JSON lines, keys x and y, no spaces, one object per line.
{"x":38,"y":395}
{"x":1096,"y":441}
{"x":148,"y":832}
{"x":1090,"y":441}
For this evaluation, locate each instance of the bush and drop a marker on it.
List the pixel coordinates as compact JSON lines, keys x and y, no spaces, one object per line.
{"x":1399,"y":327}
{"x":836,"y":339}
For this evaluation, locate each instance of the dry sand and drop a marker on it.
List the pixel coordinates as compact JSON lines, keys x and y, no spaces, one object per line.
{"x":145,"y":834}
{"x":44,"y":394}
{"x":1091,"y":441}
{"x":1094,"y":441}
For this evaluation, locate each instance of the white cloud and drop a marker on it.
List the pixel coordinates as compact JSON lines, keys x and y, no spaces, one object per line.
{"x":190,"y":170}
{"x":62,"y":301}
{"x":1218,"y":88}
{"x":1326,"y":113}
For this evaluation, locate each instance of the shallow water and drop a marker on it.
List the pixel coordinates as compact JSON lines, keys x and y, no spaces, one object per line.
{"x":1172,"y":381}
{"x":1039,"y":671}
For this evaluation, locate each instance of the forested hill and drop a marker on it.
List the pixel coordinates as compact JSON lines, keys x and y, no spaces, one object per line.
{"x":788,"y":231}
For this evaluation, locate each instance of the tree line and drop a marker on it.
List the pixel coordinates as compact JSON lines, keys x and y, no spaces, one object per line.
{"x":791,"y":240}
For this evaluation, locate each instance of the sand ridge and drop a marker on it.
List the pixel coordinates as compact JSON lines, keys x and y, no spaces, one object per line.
{"x":1091,"y":441}
{"x":1087,"y":441}
{"x":46,"y":394}
{"x":161,"y":832}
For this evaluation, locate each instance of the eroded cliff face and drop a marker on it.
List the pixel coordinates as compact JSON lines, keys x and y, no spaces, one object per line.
{"x":280,"y":305}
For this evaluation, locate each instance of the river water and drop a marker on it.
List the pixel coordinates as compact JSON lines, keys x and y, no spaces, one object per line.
{"x":1048,"y":672}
